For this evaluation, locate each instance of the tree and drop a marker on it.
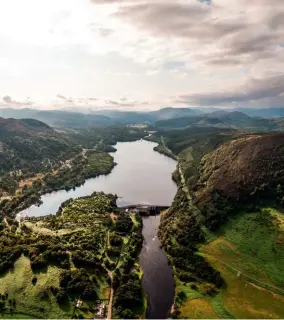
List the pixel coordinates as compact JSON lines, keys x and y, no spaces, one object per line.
{"x":61,"y":296}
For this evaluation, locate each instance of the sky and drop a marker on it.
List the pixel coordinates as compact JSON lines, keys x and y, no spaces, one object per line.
{"x":141,"y":54}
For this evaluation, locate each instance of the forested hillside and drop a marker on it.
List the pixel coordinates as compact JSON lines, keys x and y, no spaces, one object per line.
{"x":224,"y":230}
{"x":36,"y":159}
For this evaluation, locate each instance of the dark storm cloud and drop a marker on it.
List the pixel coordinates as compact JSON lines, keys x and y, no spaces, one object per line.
{"x":254,"y":90}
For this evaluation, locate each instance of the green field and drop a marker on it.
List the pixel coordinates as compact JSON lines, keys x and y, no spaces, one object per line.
{"x":33,"y":300}
{"x":248,"y":252}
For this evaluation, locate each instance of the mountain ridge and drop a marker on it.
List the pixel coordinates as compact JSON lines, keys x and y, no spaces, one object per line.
{"x":28,"y":126}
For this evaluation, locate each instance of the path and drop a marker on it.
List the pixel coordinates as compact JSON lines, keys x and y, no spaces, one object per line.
{"x":184,"y":186}
{"x":7,"y":224}
{"x":165,"y":146}
{"x":192,"y":208}
{"x":109,"y":310}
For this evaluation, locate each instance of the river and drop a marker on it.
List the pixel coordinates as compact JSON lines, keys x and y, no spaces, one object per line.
{"x":141,"y":176}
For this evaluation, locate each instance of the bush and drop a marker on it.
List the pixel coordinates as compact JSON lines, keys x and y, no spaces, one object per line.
{"x":34,"y":280}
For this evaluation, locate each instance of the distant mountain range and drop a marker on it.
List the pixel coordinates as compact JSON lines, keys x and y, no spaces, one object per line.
{"x":275,"y":112}
{"x":57,"y":118}
{"x":223,"y":119}
{"x":69,"y":119}
{"x":182,"y":117}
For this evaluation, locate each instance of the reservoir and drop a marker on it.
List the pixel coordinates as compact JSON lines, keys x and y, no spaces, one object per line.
{"x":141,"y":176}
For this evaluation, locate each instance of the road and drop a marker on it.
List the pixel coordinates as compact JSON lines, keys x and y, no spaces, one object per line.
{"x":184,"y":186}
{"x":109,"y":311}
{"x":165,"y":146}
{"x":192,"y":208}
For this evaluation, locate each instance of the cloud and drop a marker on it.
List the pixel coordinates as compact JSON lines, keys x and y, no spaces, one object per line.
{"x":203,"y":36}
{"x":255,"y":90}
{"x":240,"y":39}
{"x":9,"y":101}
{"x":105,"y":32}
{"x":124,"y":103}
{"x":60,"y":96}
{"x":68,"y":100}
{"x":85,"y":103}
{"x":154,"y":47}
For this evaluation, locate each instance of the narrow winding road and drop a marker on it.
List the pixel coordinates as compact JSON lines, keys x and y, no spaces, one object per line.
{"x":109,"y":311}
{"x":194,"y":209}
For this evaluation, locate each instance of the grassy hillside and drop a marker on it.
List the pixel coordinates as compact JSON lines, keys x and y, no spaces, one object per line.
{"x":223,"y":233}
{"x":248,"y":251}
{"x":48,"y":263}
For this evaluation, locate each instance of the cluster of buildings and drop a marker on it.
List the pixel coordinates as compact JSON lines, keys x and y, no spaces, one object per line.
{"x":101,"y":308}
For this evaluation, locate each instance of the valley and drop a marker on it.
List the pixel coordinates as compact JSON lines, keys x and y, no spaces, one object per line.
{"x":217,"y":252}
{"x":70,"y":223}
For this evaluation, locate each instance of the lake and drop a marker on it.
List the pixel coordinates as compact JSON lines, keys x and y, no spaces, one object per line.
{"x":141,"y":176}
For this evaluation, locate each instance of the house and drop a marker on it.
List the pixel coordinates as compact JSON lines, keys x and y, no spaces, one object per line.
{"x":79,"y":303}
{"x":101,"y":308}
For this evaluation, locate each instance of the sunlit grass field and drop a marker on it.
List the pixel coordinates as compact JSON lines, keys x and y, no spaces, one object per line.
{"x":248,"y":251}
